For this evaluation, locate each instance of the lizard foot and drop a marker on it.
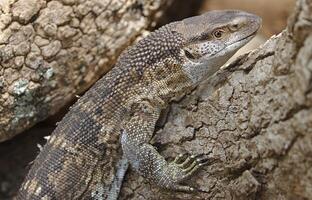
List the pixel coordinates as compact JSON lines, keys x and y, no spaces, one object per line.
{"x":183,"y":167}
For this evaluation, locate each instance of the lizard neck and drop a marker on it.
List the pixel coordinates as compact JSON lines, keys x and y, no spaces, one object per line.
{"x":167,"y":81}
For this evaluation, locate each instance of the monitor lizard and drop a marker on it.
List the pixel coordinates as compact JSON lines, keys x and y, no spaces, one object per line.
{"x":111,"y":125}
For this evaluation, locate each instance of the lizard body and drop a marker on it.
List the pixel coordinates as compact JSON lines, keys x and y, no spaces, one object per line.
{"x":111,"y":125}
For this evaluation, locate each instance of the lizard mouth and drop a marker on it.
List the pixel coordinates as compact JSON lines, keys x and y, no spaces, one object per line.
{"x":250,"y":36}
{"x":239,"y":42}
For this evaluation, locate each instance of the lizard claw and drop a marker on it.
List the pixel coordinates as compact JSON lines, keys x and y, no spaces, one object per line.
{"x":178,"y":159}
{"x":182,"y":167}
{"x":186,"y":165}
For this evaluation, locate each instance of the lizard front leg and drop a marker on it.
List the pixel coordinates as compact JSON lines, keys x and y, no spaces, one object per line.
{"x":144,"y":158}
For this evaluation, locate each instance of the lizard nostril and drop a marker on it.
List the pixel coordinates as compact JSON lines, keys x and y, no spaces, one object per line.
{"x":189,"y":55}
{"x":234,"y":27}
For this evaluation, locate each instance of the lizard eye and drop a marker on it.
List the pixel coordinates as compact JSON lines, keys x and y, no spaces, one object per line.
{"x":218,"y":33}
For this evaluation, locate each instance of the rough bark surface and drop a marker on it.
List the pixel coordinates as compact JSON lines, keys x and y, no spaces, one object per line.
{"x":52,"y":50}
{"x":255,"y":124}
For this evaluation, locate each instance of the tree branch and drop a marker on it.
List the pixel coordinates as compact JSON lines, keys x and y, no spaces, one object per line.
{"x":51,"y":51}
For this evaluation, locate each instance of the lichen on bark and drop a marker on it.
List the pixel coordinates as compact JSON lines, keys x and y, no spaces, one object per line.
{"x":52,"y":50}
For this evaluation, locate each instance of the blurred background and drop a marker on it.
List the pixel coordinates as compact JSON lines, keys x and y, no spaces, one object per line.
{"x":17,"y":154}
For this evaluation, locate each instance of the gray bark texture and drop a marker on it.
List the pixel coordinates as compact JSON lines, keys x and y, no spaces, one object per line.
{"x":253,"y":120}
{"x":52,"y":50}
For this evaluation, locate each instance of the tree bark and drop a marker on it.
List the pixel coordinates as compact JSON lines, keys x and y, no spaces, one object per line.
{"x":253,"y":120}
{"x":51,"y":51}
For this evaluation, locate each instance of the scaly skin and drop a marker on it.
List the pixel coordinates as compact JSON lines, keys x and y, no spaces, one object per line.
{"x":86,"y":157}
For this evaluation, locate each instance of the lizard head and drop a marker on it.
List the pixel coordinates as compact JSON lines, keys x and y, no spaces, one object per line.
{"x":212,"y":38}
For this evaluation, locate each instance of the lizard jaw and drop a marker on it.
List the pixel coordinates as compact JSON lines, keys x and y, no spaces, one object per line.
{"x":236,"y":45}
{"x":205,"y":67}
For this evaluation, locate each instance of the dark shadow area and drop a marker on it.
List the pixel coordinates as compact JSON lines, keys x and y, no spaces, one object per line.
{"x":179,"y":10}
{"x":16,"y":156}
